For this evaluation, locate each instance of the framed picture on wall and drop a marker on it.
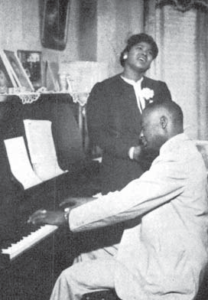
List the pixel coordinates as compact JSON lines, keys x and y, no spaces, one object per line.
{"x":31,"y":62}
{"x":54,"y":27}
{"x":18,"y":71}
{"x":7,"y":79}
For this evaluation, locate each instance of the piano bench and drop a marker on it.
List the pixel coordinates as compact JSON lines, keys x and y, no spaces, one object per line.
{"x":101,"y":295}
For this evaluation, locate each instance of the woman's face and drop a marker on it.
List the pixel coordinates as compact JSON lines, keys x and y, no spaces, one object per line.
{"x":3,"y":80}
{"x":140,"y":57}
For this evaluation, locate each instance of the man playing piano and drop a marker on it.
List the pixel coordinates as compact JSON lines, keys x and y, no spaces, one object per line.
{"x":163,"y":252}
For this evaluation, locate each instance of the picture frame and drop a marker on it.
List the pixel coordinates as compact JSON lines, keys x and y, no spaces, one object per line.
{"x":52,"y":77}
{"x":7,"y":79}
{"x":54,"y":27}
{"x":32,"y":62}
{"x":18,"y":71}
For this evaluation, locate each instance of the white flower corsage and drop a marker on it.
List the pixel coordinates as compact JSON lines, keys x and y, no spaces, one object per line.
{"x":148,"y":94}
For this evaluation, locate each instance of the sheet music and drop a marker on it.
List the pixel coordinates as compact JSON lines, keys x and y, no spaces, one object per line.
{"x":42,"y":149}
{"x":19,"y":162}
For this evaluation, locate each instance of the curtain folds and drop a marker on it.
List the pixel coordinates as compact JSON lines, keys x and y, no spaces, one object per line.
{"x":182,"y":62}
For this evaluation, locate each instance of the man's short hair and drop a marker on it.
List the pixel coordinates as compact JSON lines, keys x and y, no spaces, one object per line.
{"x":173,"y":109}
{"x":138,"y":38}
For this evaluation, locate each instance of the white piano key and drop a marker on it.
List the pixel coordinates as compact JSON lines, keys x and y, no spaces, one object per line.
{"x":27,"y":242}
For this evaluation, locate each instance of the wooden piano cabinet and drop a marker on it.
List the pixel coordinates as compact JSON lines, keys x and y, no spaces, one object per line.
{"x":32,"y":274}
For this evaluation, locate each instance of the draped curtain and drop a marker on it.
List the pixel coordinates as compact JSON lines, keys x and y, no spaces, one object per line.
{"x":182,"y":36}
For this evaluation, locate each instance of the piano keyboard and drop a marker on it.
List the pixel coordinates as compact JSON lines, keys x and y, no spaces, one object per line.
{"x":27,"y":242}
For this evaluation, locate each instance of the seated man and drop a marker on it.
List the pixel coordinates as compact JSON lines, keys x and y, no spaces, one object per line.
{"x":163,"y":251}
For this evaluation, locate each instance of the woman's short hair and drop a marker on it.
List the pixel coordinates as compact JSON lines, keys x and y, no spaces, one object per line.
{"x":138,"y":38}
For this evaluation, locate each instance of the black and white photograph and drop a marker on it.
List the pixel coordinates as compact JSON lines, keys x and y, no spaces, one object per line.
{"x":31,"y":62}
{"x":18,"y":71}
{"x":55,"y":24}
{"x":6,"y":78}
{"x":104,"y":150}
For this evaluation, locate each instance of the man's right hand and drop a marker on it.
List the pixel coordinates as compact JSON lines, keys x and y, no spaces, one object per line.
{"x":47,"y":217}
{"x":74,"y":202}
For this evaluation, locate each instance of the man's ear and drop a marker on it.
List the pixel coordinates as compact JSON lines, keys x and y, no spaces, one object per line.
{"x":163,"y":122}
{"x":125,"y":56}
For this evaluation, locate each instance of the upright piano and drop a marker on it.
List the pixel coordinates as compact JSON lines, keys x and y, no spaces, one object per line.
{"x":32,"y":257}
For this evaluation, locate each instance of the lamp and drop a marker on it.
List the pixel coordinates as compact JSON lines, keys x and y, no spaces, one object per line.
{"x":80,"y":77}
{"x":77,"y":78}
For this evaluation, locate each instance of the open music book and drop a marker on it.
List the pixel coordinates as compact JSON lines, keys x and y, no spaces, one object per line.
{"x":42,"y":149}
{"x":19,"y":162}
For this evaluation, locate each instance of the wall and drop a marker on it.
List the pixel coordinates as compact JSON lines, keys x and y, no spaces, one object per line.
{"x":103,"y":28}
{"x":88,"y":30}
{"x":97,"y":29}
{"x":20,"y":29}
{"x":117,"y":20}
{"x":106,"y":25}
{"x":19,"y":23}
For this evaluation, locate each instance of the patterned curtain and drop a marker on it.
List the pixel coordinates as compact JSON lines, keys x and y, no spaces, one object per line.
{"x":182,"y":36}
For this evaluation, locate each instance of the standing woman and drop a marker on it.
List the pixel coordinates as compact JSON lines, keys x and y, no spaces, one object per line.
{"x":114,"y":114}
